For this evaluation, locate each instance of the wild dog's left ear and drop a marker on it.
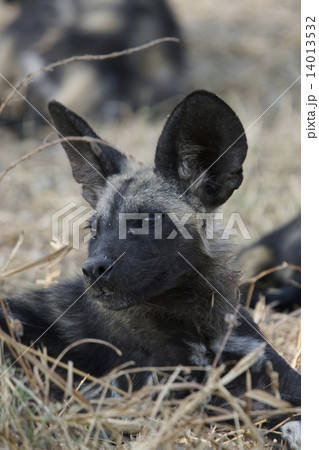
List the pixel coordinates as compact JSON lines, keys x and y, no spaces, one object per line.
{"x":203,"y":145}
{"x":92,"y":163}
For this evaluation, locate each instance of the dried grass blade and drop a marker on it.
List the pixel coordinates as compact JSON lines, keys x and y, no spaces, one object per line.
{"x":62,"y":252}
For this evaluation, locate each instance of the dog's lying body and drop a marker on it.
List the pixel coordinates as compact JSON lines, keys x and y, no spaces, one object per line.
{"x":151,"y":297}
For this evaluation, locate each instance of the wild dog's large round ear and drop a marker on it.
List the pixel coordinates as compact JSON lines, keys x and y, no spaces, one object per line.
{"x":92,"y":163}
{"x":203,"y":145}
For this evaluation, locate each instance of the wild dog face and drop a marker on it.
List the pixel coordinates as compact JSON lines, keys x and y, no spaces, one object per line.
{"x":198,"y":165}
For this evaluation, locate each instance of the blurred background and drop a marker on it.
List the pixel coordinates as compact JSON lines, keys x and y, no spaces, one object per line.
{"x":247,"y":52}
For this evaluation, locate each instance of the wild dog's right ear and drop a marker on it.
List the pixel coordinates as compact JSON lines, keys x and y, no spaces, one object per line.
{"x":92,"y":163}
{"x":203,"y":145}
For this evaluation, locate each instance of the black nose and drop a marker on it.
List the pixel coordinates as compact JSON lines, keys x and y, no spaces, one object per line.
{"x":97,"y":268}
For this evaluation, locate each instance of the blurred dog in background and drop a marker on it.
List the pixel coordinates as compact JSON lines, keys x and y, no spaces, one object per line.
{"x":280,"y":287}
{"x":44,"y":32}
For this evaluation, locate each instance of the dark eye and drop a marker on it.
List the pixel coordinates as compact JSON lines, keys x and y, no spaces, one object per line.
{"x":150,"y":220}
{"x":93,"y":228}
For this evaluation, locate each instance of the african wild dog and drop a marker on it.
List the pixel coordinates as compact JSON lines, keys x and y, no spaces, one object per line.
{"x":281,"y":288}
{"x":152,"y":298}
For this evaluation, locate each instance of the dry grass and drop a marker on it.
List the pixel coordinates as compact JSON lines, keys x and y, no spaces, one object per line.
{"x":146,"y":419}
{"x":249,"y":54}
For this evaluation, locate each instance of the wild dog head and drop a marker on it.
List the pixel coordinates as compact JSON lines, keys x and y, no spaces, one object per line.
{"x":139,"y":232}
